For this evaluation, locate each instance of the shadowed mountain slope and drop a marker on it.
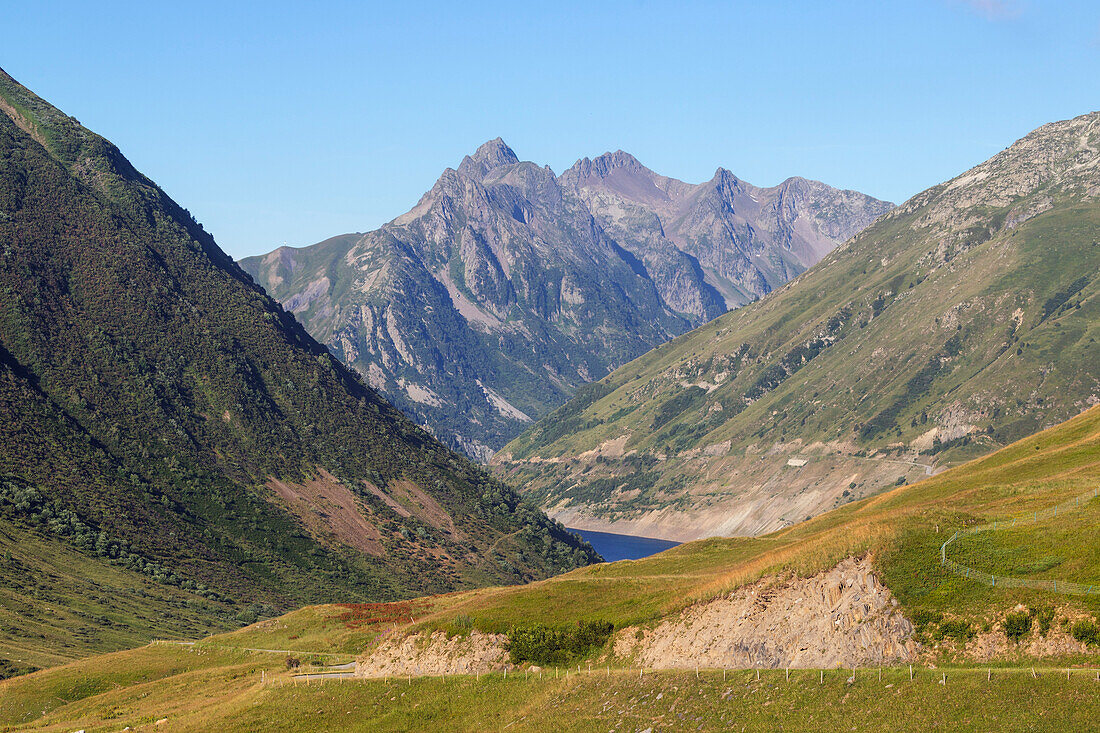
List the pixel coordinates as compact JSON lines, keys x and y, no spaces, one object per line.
{"x":161,"y":414}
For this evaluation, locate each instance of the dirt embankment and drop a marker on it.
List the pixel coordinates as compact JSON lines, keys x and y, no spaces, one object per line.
{"x":1055,"y":642}
{"x":765,"y":489}
{"x":841,"y":617}
{"x":435,"y":654}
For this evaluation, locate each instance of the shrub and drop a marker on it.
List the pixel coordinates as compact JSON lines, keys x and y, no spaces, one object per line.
{"x":460,"y":625}
{"x":923,"y":617}
{"x":540,"y":644}
{"x":1017,"y":625}
{"x":247,"y":616}
{"x":1044,"y":615}
{"x":293,"y":663}
{"x":545,"y":645}
{"x":1086,"y":631}
{"x":957,"y":629}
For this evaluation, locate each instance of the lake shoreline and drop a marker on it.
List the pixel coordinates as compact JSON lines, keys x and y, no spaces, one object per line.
{"x":613,"y":546}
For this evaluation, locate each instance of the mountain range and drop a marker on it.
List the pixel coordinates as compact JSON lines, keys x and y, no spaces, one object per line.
{"x":507,"y":287}
{"x":164,"y":417}
{"x":962,"y":320}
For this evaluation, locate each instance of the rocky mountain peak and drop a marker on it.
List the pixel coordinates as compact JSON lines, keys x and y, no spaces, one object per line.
{"x":724,"y":177}
{"x":516,"y":286}
{"x":493,"y":154}
{"x":727,"y":187}
{"x":605,"y":164}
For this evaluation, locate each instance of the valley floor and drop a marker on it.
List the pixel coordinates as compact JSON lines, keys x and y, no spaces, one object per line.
{"x":862,"y":585}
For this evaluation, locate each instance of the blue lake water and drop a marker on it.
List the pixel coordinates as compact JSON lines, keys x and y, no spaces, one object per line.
{"x":623,"y":546}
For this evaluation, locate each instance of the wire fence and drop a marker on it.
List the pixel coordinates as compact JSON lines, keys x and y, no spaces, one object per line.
{"x":773,"y":675}
{"x":1006,"y":581}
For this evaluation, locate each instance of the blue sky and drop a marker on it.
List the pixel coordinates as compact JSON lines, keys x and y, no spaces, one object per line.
{"x":290,"y":122}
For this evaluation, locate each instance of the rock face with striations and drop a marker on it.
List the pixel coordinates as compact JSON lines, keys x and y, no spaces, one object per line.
{"x":506,"y":287}
{"x":843,"y":617}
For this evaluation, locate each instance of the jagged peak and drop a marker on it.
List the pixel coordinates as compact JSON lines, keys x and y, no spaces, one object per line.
{"x":799,"y":185}
{"x":604,"y":165}
{"x":723,"y":175}
{"x":492,"y":154}
{"x":725,"y":181}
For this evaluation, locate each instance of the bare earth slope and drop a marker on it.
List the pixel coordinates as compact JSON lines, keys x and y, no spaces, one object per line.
{"x":964,"y":319}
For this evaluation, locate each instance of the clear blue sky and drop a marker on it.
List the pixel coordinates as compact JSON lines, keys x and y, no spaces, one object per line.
{"x":291,"y":121}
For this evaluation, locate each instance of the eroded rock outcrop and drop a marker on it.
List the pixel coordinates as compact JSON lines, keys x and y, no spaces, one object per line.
{"x":435,"y":654}
{"x":841,"y":617}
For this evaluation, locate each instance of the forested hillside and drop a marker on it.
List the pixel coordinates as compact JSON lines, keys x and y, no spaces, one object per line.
{"x":160,"y":413}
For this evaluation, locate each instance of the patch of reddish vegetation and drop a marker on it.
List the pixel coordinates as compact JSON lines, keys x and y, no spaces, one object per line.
{"x":360,"y":615}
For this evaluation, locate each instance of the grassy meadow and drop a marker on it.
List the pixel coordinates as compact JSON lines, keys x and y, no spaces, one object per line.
{"x":221,"y":683}
{"x":198,"y":690}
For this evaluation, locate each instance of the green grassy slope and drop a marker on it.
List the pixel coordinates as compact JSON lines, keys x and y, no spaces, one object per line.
{"x":57,"y":604}
{"x":223,"y":692}
{"x":153,"y":398}
{"x":964,"y":320}
{"x":903,"y":528}
{"x":216,"y":684}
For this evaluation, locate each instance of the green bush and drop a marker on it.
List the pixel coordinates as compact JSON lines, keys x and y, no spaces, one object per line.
{"x":546,"y":645}
{"x":1017,"y":625}
{"x":460,"y":625}
{"x":1086,"y":631}
{"x":1044,"y":615}
{"x":923,"y":617}
{"x":957,"y":629}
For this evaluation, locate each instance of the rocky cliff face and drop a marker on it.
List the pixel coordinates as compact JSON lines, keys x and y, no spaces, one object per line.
{"x":506,"y":287}
{"x":843,"y":617}
{"x":729,"y":238}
